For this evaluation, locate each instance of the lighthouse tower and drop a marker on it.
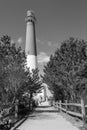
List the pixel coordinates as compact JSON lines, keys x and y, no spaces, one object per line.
{"x":30,"y":47}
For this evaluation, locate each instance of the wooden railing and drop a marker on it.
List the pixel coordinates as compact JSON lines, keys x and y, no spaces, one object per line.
{"x":66,"y":108}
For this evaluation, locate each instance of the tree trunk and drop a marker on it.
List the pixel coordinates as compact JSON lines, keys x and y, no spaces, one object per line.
{"x":30,"y":101}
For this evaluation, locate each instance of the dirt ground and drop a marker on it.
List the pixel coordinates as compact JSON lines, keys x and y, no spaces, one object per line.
{"x":47,"y":118}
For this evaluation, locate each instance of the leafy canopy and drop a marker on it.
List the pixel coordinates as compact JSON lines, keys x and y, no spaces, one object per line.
{"x":66,"y":72}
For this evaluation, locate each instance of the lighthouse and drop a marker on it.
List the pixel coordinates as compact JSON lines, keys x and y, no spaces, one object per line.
{"x":30,"y":47}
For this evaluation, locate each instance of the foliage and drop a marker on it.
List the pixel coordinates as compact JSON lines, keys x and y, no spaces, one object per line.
{"x":12,"y":61}
{"x":65,"y":73}
{"x":32,"y":84}
{"x":15,"y":80}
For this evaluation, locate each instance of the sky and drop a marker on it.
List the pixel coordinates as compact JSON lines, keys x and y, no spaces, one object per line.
{"x":57,"y":20}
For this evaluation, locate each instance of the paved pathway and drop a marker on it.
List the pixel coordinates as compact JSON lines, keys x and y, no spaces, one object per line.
{"x":46,"y":118}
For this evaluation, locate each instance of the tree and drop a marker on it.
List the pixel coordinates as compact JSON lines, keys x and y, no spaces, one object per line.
{"x":63,"y":72}
{"x":12,"y":61}
{"x":15,"y":78}
{"x":33,"y":83}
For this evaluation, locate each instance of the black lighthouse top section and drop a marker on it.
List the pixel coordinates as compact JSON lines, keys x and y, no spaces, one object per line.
{"x":30,"y":16}
{"x":30,"y":47}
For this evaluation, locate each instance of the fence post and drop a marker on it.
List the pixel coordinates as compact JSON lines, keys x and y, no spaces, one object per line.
{"x":66,"y":105}
{"x":60,"y":105}
{"x":16,"y":109}
{"x":83,"y":111}
{"x":57,"y":105}
{"x":54,"y":103}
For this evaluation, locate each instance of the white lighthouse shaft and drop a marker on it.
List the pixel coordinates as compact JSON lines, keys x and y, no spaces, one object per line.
{"x":30,"y":48}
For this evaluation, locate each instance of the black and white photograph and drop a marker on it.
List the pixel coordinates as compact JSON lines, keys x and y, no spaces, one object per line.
{"x":43,"y":64}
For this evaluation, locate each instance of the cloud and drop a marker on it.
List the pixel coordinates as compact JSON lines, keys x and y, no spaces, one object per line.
{"x":50,"y":43}
{"x":20,"y":40}
{"x":12,"y":41}
{"x":39,"y":41}
{"x":43,"y":58}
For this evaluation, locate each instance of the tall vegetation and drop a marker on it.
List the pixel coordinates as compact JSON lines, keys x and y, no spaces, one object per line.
{"x":66,"y":72}
{"x":15,"y":78}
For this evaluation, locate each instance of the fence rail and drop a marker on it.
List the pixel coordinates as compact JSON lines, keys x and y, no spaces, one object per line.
{"x":65,"y":107}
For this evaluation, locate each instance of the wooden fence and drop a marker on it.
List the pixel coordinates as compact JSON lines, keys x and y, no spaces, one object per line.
{"x":65,"y":107}
{"x":15,"y":111}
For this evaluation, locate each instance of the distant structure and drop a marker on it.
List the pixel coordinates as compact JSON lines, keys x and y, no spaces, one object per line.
{"x":30,"y":47}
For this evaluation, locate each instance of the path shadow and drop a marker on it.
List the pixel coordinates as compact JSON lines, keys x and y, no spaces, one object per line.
{"x":45,"y":109}
{"x":41,"y":113}
{"x":48,"y":111}
{"x":44,"y":112}
{"x":25,"y":118}
{"x":44,"y":106}
{"x":42,"y":117}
